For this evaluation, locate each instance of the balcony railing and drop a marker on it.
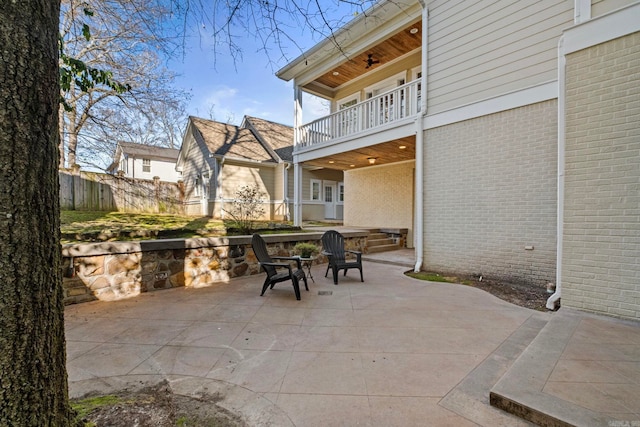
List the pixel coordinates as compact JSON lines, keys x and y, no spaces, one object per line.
{"x":380,"y":110}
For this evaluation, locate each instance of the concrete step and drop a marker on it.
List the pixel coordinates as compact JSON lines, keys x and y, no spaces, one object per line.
{"x":383,"y":248}
{"x":376,"y":236}
{"x":521,"y":390}
{"x":380,"y":242}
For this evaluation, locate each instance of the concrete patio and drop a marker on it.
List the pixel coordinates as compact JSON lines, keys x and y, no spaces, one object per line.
{"x":392,"y":351}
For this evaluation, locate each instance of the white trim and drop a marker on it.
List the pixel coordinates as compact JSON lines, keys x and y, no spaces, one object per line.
{"x":413,"y":73}
{"x":337,"y":104}
{"x":520,"y":98}
{"x":319,"y":182}
{"x":613,"y":25}
{"x":581,"y":11}
{"x":392,"y":80}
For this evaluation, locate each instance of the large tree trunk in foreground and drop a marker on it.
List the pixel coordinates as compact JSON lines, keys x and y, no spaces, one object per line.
{"x":33,"y":378}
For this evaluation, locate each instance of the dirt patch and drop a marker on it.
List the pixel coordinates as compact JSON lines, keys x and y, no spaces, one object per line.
{"x":529,"y":296}
{"x":533,"y":297}
{"x":155,"y":406}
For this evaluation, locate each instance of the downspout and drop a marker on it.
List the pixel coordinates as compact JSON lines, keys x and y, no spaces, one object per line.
{"x":297,"y":169}
{"x":419,"y":208}
{"x":552,"y":301}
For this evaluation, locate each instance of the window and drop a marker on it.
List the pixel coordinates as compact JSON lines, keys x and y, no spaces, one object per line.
{"x":341,"y":192}
{"x":146,"y":165}
{"x":315,"y":189}
{"x":196,"y":186}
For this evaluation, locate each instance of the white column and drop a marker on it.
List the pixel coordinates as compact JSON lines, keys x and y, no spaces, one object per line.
{"x":297,"y":112}
{"x":297,"y":193}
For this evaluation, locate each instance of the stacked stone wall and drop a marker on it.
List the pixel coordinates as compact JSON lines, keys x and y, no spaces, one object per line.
{"x":118,"y":270}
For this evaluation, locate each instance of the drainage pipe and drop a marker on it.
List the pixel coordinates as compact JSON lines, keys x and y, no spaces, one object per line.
{"x":553,"y":299}
{"x":419,"y":178}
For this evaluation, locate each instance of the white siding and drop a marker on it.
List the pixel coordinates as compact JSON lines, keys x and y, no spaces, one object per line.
{"x":600,"y":7}
{"x":480,"y":49}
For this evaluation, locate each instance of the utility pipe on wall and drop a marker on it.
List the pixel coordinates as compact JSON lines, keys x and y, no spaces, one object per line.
{"x":553,"y":299}
{"x":419,"y":178}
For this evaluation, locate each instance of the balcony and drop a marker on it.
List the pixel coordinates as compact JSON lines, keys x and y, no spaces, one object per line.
{"x":380,"y":111}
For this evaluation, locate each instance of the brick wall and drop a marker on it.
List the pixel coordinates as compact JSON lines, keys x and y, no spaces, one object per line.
{"x":380,"y":197}
{"x":490,"y":195}
{"x":601,"y":255}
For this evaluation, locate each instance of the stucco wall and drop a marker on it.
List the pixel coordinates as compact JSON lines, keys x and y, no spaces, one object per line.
{"x":490,"y":195}
{"x":600,"y":263}
{"x":380,"y":196}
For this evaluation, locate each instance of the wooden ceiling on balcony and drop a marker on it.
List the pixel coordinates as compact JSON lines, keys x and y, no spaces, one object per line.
{"x":385,"y":153}
{"x":386,"y":51}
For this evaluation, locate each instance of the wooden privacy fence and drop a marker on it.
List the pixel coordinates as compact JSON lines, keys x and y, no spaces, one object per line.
{"x":103,"y":192}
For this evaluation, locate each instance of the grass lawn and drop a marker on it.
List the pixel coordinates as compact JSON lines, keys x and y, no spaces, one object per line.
{"x":77,"y":226}
{"x":92,"y":226}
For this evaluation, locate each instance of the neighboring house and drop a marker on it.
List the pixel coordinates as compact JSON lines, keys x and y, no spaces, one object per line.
{"x":216,"y":159}
{"x":144,"y":162}
{"x":503,"y":135}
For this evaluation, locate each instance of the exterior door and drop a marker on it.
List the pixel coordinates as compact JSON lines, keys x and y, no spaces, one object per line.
{"x":329,"y":195}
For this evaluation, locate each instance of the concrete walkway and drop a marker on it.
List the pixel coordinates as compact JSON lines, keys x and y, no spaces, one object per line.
{"x":392,"y":351}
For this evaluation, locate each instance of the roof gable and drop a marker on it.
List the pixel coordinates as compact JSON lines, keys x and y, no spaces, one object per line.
{"x":229,"y":141}
{"x":277,"y":136}
{"x":148,"y":151}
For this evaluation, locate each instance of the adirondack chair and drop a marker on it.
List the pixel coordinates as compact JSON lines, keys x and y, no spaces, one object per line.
{"x":271,"y":268}
{"x":333,"y":249}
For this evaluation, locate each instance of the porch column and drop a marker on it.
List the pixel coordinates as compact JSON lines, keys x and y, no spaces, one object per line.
{"x":297,"y":193}
{"x":297,"y":113}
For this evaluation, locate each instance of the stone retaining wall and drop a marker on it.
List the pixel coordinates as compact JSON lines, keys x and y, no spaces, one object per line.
{"x":117,"y":270}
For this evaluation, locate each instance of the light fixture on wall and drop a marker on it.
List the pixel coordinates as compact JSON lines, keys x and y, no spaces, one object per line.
{"x":372,"y":160}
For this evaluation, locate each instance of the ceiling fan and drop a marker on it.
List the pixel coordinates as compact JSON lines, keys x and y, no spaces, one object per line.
{"x":370,"y":61}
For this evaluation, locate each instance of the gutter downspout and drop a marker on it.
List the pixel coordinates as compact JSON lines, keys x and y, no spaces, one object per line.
{"x":297,"y":169}
{"x":553,"y":300}
{"x":419,"y":178}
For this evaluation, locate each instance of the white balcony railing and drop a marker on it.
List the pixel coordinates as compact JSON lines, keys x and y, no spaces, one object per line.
{"x":380,"y":110}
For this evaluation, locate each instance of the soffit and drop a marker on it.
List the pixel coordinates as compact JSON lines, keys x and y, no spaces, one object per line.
{"x":385,"y":153}
{"x":386,"y":51}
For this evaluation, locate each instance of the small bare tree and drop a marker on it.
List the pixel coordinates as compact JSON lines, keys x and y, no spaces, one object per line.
{"x":246,"y":208}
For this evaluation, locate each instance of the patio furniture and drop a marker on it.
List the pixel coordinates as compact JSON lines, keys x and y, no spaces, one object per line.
{"x":271,"y":268}
{"x":307,"y":263}
{"x":333,"y":249}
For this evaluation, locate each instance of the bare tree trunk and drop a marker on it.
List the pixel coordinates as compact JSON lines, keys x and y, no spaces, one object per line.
{"x":72,"y":140}
{"x":33,"y":378}
{"x":61,"y":137}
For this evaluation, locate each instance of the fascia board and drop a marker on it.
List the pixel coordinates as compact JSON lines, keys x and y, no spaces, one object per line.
{"x":355,"y":37}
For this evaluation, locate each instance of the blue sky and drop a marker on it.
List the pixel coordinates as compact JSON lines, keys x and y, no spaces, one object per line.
{"x":226,"y":91}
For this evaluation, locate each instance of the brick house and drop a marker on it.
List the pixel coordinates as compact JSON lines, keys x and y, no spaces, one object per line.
{"x":503,"y":135}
